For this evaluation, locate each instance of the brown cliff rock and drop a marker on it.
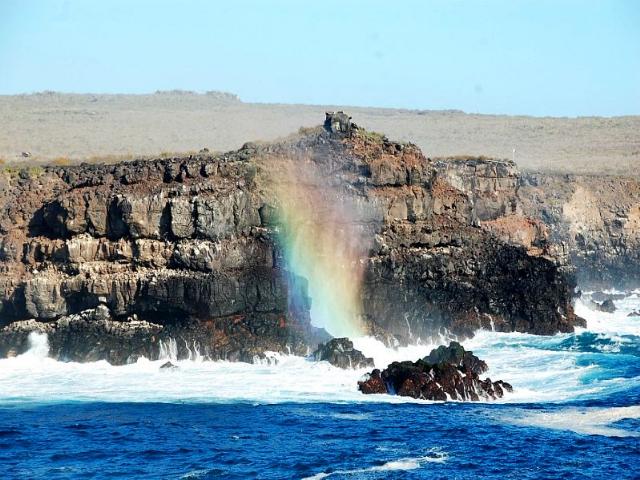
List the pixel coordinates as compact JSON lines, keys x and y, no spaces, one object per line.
{"x":596,"y":219}
{"x":191,"y":246}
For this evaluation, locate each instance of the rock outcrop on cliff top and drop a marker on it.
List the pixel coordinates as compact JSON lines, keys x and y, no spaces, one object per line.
{"x":187,"y":249}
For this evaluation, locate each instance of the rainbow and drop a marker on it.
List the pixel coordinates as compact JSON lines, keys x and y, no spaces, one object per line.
{"x":322,"y":244}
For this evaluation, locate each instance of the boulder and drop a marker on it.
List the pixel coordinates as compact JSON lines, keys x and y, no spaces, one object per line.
{"x":340,"y":353}
{"x":456,"y":355}
{"x":447,"y":373}
{"x":607,"y":306}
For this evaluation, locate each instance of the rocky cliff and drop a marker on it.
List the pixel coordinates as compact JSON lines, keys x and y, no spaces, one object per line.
{"x":595,"y":218}
{"x":118,"y":261}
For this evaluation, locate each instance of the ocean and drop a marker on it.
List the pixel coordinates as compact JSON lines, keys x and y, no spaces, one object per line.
{"x":574,"y":413}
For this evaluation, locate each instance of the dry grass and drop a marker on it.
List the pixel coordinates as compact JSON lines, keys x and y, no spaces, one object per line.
{"x":107,"y":128}
{"x":61,"y":161}
{"x":371,"y":136}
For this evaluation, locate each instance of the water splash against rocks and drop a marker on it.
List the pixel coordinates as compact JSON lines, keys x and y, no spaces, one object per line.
{"x":38,"y":345}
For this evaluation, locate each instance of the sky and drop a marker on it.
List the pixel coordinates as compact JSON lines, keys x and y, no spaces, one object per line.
{"x":542,"y":57}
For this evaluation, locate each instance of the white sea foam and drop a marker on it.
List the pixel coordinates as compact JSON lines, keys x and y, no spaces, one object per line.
{"x":586,"y":421}
{"x":38,"y":345}
{"x":537,"y":369}
{"x":616,"y":323}
{"x":412,"y":463}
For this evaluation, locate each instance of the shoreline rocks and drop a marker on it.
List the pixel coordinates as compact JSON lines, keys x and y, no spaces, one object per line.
{"x":447,"y":373}
{"x":606,"y":306}
{"x":339,"y":352}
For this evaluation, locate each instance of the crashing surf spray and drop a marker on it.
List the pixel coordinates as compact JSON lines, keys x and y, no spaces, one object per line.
{"x":38,"y":345}
{"x":169,"y":351}
{"x":560,"y":368}
{"x":586,"y":421}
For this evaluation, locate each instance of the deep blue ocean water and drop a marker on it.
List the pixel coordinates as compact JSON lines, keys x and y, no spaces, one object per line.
{"x":241,"y":441}
{"x":574,"y":413}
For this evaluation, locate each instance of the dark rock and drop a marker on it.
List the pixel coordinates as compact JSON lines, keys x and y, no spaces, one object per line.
{"x":447,"y":373}
{"x":635,"y":313}
{"x":457,"y":356}
{"x":373,"y":383}
{"x":607,"y":306}
{"x":338,"y":123}
{"x":168,"y":365}
{"x":340,"y":353}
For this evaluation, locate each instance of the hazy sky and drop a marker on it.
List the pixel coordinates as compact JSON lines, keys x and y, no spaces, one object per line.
{"x":519,"y":57}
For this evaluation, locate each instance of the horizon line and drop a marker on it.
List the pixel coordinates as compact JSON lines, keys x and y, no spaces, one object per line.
{"x":235,"y":98}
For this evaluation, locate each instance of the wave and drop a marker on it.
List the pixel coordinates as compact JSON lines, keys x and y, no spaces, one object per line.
{"x":601,"y":360}
{"x":586,"y":421}
{"x":403,"y":464}
{"x":620,"y":322}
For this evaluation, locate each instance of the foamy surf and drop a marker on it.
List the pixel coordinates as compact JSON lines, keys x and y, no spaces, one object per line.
{"x":541,"y":369}
{"x":403,"y":464}
{"x":585,"y":421}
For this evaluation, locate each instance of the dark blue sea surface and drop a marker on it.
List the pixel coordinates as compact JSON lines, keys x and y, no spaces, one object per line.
{"x":574,"y":413}
{"x":297,"y":440}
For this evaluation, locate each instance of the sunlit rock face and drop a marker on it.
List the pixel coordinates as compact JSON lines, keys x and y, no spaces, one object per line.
{"x":596,"y":218}
{"x":272,"y":246}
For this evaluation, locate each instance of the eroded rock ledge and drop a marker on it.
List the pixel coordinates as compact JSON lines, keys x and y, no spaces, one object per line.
{"x":190,"y":246}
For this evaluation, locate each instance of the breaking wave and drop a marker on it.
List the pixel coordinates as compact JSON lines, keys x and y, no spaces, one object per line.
{"x":602,"y":359}
{"x":412,"y":463}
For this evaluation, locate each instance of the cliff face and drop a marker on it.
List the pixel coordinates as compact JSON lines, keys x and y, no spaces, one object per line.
{"x":597,"y":219}
{"x":115,"y":261}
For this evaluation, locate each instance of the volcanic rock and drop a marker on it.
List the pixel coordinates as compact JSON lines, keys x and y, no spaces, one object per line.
{"x":456,"y":355}
{"x":447,"y":373}
{"x":192,"y":246}
{"x":340,"y":353}
{"x":607,"y":306}
{"x":595,"y":219}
